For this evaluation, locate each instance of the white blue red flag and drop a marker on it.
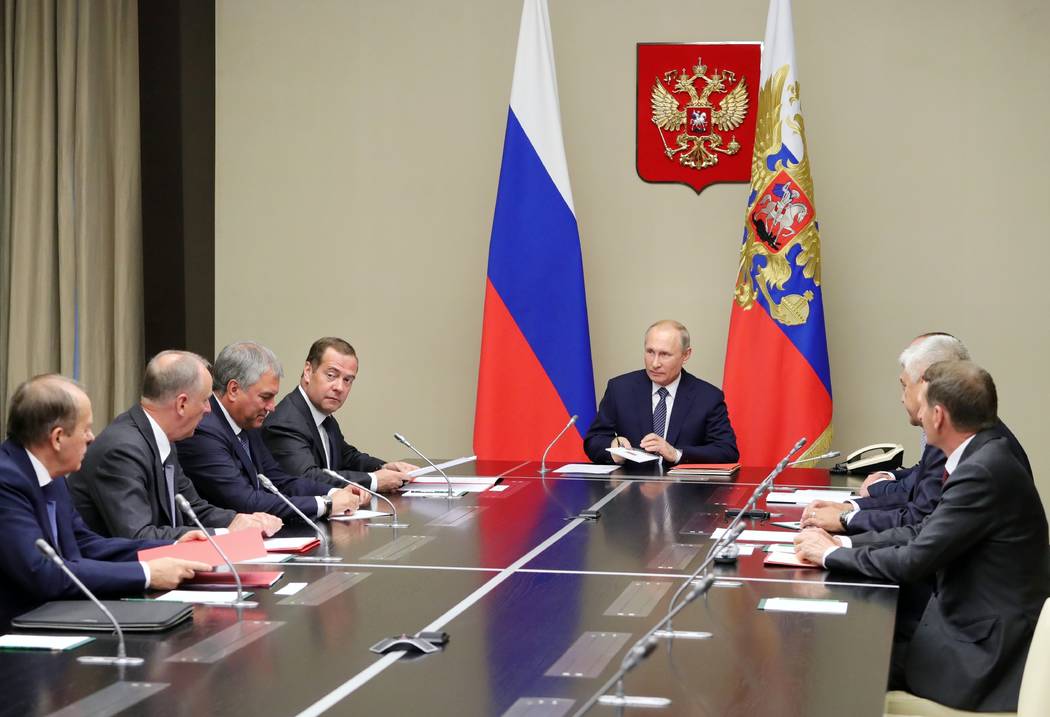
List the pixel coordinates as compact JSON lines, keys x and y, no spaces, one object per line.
{"x":535,"y":370}
{"x":777,"y":374}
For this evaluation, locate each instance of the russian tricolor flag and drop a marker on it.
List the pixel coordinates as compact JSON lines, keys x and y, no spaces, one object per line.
{"x":535,"y":370}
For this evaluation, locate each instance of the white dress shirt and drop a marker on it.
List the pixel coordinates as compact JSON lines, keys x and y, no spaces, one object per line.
{"x":318,"y":419}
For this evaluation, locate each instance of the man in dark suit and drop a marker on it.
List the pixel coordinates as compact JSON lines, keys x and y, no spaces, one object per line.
{"x":303,"y":435}
{"x":986,"y":543}
{"x":226,"y":453}
{"x":663,"y":409}
{"x":127,"y":485}
{"x":49,"y":428}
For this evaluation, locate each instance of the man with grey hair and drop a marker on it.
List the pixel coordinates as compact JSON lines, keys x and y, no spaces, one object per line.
{"x":908,"y":495}
{"x":226,"y":453}
{"x":131,"y":474}
{"x":663,"y":409}
{"x":49,"y":429}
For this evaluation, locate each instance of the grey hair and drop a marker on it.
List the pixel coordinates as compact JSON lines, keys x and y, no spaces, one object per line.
{"x":244,"y":362}
{"x":170,"y":373}
{"x":683,"y":332}
{"x":929,"y":349}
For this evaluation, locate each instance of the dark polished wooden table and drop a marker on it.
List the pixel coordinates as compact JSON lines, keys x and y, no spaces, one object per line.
{"x":533,"y":599}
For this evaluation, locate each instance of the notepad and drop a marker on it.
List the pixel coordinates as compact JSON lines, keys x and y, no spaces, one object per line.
{"x":758,"y":536}
{"x":359,"y":515}
{"x":55,"y":643}
{"x":805,"y":497}
{"x":826,"y":607}
{"x":200,"y":598}
{"x":586,"y":468}
{"x":633,"y":454}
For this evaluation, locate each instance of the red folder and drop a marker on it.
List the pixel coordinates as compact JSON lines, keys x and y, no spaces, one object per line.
{"x":257,"y":579}
{"x":306,"y":547}
{"x":239,"y":545}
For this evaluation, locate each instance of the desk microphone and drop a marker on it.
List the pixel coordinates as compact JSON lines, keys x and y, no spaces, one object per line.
{"x":187,"y":510}
{"x":394,"y":524}
{"x":404,"y":441}
{"x":326,"y":555}
{"x":122,"y":655}
{"x":829,"y":454}
{"x":543,"y":461}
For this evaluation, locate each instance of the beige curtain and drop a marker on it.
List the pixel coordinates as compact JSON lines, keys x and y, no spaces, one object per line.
{"x":70,"y":198}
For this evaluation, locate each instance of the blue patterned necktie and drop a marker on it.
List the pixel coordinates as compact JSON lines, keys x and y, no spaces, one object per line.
{"x":660,"y":412}
{"x":169,"y":481}
{"x":243,"y":438}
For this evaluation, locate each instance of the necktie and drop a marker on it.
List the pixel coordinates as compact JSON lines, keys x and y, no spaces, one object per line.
{"x":169,"y":480}
{"x":660,"y":412}
{"x":243,"y":438}
{"x":326,"y":442}
{"x":52,"y":515}
{"x":944,"y":478}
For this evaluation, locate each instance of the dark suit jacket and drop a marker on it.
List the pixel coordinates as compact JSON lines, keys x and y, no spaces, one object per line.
{"x":120,"y":489}
{"x":108,"y":566}
{"x":290,"y":434}
{"x":699,"y":425}
{"x":224,"y":474}
{"x":986,"y":545}
{"x":917,"y":490}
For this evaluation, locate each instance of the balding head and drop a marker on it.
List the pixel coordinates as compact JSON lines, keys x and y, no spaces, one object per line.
{"x":50,"y":416}
{"x":176,"y":389}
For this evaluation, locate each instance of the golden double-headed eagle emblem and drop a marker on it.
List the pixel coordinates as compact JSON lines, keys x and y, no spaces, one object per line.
{"x":697,"y":144}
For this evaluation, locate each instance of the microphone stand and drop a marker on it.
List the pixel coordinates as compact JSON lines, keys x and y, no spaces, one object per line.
{"x":326,"y":555}
{"x":395,"y":524}
{"x":829,"y":454}
{"x":241,"y":602}
{"x":404,"y":441}
{"x":121,"y":658}
{"x":543,"y":461}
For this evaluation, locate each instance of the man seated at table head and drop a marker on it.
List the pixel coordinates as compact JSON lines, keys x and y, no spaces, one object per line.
{"x":226,"y":454}
{"x":663,"y":409}
{"x":986,"y":544}
{"x":303,"y":435}
{"x":49,"y":428}
{"x":910,"y":494}
{"x":127,"y":484}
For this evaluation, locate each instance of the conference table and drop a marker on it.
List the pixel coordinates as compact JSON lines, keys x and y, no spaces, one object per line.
{"x":540,"y":606}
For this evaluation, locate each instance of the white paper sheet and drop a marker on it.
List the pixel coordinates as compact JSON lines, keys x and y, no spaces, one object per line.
{"x":586,"y":468}
{"x":633,"y":454}
{"x":460,"y":482}
{"x":269,"y":558}
{"x":359,"y":514}
{"x":447,"y":464}
{"x":290,"y":589}
{"x":826,"y":607}
{"x":758,"y":536}
{"x":203,"y":597}
{"x":43,"y":642}
{"x":287,"y":543}
{"x":807,"y":496}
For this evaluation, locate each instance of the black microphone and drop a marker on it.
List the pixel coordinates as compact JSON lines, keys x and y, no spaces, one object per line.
{"x":187,"y":510}
{"x":543,"y":461}
{"x":822,"y":456}
{"x":404,"y":441}
{"x":394,"y":524}
{"x":122,"y":655}
{"x":326,"y":555}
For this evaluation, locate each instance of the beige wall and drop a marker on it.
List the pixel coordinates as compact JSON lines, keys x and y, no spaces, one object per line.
{"x":358,"y":149}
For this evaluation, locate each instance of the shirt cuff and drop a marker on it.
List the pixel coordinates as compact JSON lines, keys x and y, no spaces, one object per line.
{"x":320,"y":503}
{"x":824,"y":557}
{"x":145,"y":569}
{"x":221,"y":531}
{"x":678,"y":459}
{"x":852,"y":513}
{"x":847,"y":542}
{"x":375,"y":482}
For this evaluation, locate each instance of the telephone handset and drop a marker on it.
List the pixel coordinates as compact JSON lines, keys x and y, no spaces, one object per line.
{"x":873,"y":458}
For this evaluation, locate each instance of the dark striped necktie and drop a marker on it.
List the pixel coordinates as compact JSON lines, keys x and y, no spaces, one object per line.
{"x":660,"y":412}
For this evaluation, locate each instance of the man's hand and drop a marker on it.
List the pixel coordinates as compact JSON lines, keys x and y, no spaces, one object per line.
{"x":270,"y":523}
{"x":619,"y":442}
{"x":345,"y":501}
{"x":812,"y":543}
{"x":654,"y":444}
{"x":388,"y":479}
{"x":875,"y":478}
{"x":243,"y":521}
{"x":824,"y":514}
{"x":400,"y":466}
{"x":191,"y":535}
{"x":167,"y":573}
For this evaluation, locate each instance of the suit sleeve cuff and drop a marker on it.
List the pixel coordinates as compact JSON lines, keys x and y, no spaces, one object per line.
{"x":824,"y":557}
{"x":374,"y":485}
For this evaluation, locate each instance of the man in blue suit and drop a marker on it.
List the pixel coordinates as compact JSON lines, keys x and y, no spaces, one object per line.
{"x":49,"y":429}
{"x":663,"y":409}
{"x":226,"y":453}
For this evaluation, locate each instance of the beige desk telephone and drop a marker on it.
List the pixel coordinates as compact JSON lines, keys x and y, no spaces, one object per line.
{"x":873,"y":458}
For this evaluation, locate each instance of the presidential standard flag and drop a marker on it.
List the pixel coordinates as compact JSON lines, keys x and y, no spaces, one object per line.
{"x":777,"y":377}
{"x":535,"y":370}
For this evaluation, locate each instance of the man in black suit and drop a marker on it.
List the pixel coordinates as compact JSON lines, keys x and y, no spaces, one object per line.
{"x":127,"y":485}
{"x":985,"y":543}
{"x":226,"y":454}
{"x":303,"y":435}
{"x":663,"y":409}
{"x":49,"y":428}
